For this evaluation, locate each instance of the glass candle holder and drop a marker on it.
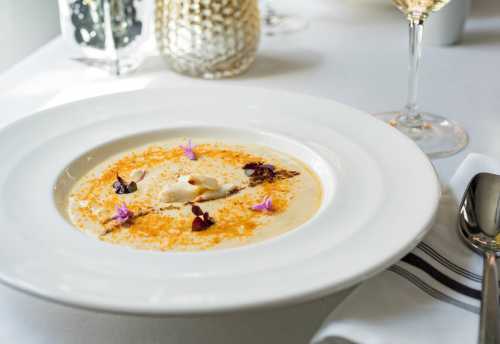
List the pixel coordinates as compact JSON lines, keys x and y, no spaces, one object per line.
{"x":208,"y":38}
{"x":107,"y":33}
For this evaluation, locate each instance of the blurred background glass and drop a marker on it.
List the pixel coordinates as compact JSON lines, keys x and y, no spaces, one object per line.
{"x":109,"y":33}
{"x":275,"y":22}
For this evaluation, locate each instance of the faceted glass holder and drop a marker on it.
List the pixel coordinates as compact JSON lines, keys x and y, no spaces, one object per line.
{"x":109,"y":34}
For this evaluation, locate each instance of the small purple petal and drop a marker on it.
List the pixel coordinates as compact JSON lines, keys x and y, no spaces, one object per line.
{"x":190,"y":155}
{"x":123,"y":214}
{"x":266,"y":205}
{"x":188,"y":150}
{"x":259,"y":207}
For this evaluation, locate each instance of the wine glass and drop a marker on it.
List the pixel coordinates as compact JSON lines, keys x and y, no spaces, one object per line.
{"x":277,"y":23}
{"x":437,"y":136}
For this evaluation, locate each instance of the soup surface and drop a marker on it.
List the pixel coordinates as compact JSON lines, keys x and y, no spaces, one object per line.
{"x":188,"y":196}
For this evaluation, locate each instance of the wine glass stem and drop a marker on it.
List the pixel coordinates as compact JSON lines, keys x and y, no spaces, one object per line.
{"x":410,"y":116}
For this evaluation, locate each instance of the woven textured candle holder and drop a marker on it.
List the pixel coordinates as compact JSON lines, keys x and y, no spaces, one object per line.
{"x":208,"y":38}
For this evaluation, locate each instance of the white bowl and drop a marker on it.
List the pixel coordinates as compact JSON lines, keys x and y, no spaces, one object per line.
{"x":381,"y":194}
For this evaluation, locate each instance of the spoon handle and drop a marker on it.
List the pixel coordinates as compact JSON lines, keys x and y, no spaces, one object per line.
{"x":489,"y":304}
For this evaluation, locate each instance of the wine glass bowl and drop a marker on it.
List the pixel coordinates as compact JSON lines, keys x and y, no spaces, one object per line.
{"x":419,"y":9}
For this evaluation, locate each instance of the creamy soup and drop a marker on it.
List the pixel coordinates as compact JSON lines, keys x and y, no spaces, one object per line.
{"x":187,"y":196}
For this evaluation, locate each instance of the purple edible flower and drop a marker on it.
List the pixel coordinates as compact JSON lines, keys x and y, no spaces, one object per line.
{"x":266,"y":205}
{"x":123,"y":214}
{"x":188,"y":150}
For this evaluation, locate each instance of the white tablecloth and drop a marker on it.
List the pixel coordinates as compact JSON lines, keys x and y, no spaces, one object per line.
{"x":352,"y":52}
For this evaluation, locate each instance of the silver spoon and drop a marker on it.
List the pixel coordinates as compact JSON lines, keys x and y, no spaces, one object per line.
{"x":479,"y":227}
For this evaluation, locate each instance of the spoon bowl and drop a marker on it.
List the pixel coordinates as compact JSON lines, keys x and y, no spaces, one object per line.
{"x":479,"y":227}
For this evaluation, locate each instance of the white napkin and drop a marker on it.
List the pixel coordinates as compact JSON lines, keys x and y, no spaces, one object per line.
{"x":431,"y":296}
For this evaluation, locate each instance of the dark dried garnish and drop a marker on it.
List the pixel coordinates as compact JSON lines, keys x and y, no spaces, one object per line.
{"x":252,"y":165}
{"x":259,"y":173}
{"x":198,"y":224}
{"x":122,"y":187}
{"x":202,"y":219}
{"x":257,"y":167}
{"x":197,"y":210}
{"x":285,"y":174}
{"x":207,"y":218}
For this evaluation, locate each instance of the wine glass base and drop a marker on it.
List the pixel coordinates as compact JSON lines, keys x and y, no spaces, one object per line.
{"x":438,"y":137}
{"x":275,"y":24}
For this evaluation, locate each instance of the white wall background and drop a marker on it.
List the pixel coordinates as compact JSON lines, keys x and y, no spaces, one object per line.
{"x":25,"y":25}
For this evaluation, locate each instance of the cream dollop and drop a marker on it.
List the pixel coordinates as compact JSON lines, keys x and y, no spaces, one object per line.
{"x":195,"y":188}
{"x":223,"y":191}
{"x":203,"y":182}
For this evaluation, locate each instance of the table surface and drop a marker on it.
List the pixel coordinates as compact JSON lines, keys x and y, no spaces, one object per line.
{"x":352,"y":52}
